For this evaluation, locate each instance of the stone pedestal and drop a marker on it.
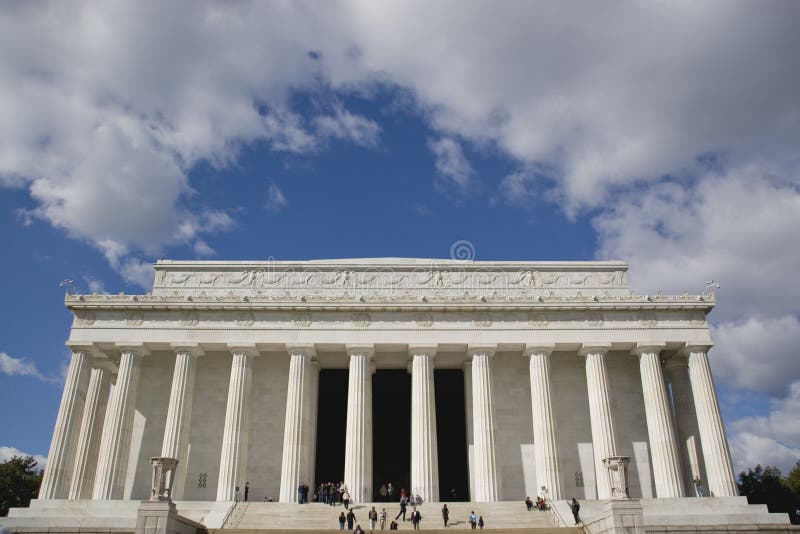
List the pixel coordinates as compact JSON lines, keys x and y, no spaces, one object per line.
{"x":161,"y":517}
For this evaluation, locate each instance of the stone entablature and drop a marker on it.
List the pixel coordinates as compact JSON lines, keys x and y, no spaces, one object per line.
{"x":392,"y":279}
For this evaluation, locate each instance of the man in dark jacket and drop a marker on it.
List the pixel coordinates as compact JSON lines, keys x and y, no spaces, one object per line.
{"x":576,"y":507}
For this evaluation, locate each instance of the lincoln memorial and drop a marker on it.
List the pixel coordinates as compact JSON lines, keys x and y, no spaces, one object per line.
{"x":457,"y":380}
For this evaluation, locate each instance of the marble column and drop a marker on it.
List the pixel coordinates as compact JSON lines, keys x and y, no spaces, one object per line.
{"x":677,"y":372}
{"x":115,"y":443}
{"x":600,"y":413}
{"x":179,"y":413}
{"x":468,"y":426}
{"x":88,"y":447}
{"x":313,"y":406}
{"x":719,"y":469}
{"x":358,"y":437}
{"x":660,"y":429}
{"x":487,"y":481}
{"x":235,"y":436}
{"x":297,"y":427}
{"x":424,"y":454}
{"x":57,"y":474}
{"x":544,"y":433}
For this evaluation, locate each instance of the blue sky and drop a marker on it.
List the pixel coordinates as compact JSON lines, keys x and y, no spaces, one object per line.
{"x":662,"y":135}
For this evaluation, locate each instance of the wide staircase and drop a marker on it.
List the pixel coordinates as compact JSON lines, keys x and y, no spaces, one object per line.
{"x":314,"y":517}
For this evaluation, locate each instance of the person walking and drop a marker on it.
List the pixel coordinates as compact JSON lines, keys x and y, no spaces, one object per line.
{"x":351,"y":518}
{"x":402,"y":510}
{"x":383,"y":518}
{"x":346,"y":499}
{"x":416,"y":517}
{"x":342,"y":519}
{"x":473,"y":520}
{"x":575,"y":507}
{"x":373,"y":518}
{"x":480,"y":522}
{"x":445,"y":515}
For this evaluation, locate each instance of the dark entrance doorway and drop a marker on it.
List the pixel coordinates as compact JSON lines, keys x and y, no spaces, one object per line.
{"x":451,"y":433}
{"x":391,"y":429}
{"x":331,"y":425}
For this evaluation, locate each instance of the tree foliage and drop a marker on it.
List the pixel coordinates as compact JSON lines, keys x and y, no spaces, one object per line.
{"x":766,"y":485}
{"x":19,"y":482}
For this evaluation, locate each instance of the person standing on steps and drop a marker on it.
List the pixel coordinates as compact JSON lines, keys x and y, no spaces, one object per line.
{"x":342,"y":519}
{"x":416,"y":517}
{"x":373,"y":518}
{"x":246,"y":491}
{"x":575,"y":507}
{"x":445,"y":515}
{"x":346,"y":499}
{"x":383,"y":518}
{"x":480,"y":522}
{"x":389,"y":491}
{"x":351,"y":518}
{"x":473,"y":520}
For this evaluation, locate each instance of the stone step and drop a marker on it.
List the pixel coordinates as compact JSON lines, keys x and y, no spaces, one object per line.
{"x":543,"y":530}
{"x":316,"y":516}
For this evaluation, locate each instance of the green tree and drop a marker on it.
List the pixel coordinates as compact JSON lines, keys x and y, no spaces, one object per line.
{"x":19,"y":482}
{"x":766,"y":485}
{"x":793,"y":480}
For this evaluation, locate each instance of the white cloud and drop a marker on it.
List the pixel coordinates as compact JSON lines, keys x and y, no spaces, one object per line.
{"x":21,"y":367}
{"x":451,"y":163}
{"x":6,"y":453}
{"x":95,"y":285}
{"x":202,"y":249}
{"x":276,"y":200}
{"x":343,"y":124}
{"x":773,"y":439}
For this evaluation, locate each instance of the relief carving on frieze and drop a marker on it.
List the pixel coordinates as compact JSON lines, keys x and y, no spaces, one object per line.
{"x":361,"y":319}
{"x":134,"y":319}
{"x":302,"y":320}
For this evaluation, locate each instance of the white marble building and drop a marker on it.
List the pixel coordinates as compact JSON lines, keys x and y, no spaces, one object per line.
{"x":219,"y":367}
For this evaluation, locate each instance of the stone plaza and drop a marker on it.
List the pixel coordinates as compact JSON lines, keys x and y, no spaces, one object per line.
{"x":482,"y":382}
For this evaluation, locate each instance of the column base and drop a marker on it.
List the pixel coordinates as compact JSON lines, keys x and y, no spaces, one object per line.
{"x":620,"y":516}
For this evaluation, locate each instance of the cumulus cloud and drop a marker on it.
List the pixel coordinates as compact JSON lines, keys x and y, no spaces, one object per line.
{"x":21,"y":367}
{"x":343,"y":124}
{"x":6,"y":453}
{"x":773,"y":439}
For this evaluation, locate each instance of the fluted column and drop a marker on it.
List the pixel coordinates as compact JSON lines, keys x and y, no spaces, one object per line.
{"x":660,"y":429}
{"x":86,"y":451}
{"x":179,"y":413}
{"x":112,"y":465}
{"x":358,"y":438}
{"x":424,"y":455}
{"x":60,"y":460}
{"x":297,"y":428}
{"x":600,"y":414}
{"x":487,"y":483}
{"x":712,"y":434}
{"x":313,"y":405}
{"x":677,"y":372}
{"x":544,"y":433}
{"x":233,"y":458}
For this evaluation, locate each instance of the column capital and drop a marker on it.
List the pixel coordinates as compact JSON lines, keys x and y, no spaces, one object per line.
{"x":189,"y":348}
{"x":87,"y":348}
{"x":248,"y":349}
{"x":422,"y":350}
{"x":362,"y":349}
{"x":475,"y":349}
{"x":306,"y":349}
{"x":594,"y":347}
{"x":689,"y":348}
{"x":140,"y":349}
{"x":538,"y":348}
{"x":647,"y":347}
